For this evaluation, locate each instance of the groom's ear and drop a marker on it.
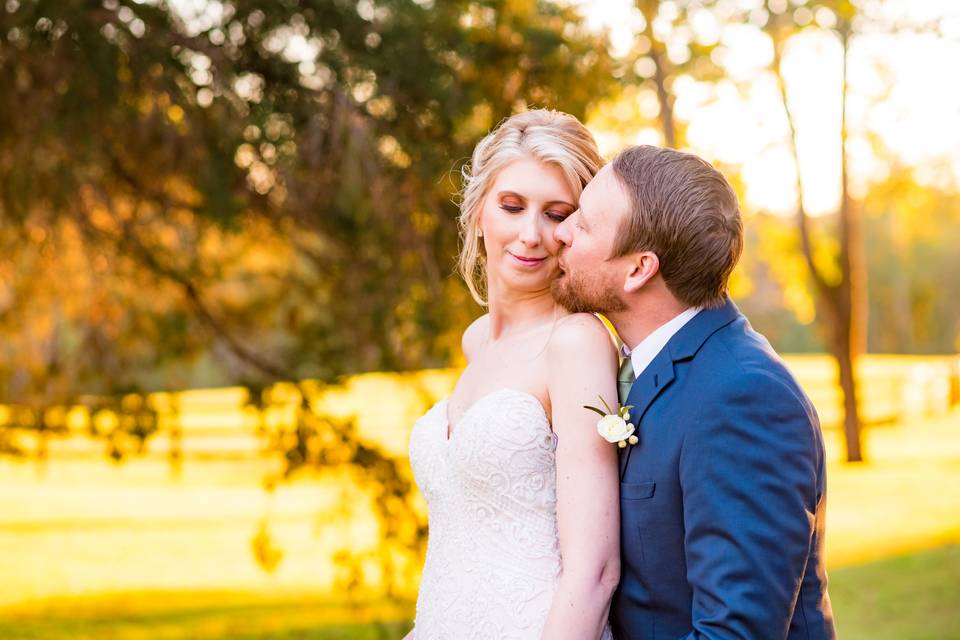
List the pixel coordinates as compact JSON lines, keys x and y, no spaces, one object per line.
{"x":642,"y":268}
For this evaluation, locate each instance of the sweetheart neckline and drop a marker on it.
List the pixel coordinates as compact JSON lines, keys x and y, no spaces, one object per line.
{"x":448,"y":431}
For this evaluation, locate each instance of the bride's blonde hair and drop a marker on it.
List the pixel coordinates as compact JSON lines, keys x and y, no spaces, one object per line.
{"x":552,"y":137}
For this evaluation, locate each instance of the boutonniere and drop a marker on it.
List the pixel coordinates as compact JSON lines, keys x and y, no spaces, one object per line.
{"x":614,"y":426}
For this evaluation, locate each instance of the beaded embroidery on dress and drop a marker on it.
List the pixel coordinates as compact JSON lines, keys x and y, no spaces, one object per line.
{"x":493,"y":556}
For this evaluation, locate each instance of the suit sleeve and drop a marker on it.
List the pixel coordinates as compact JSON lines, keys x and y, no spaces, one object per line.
{"x":748,"y":472}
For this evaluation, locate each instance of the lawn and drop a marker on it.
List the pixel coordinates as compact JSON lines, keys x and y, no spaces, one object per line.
{"x":203,"y":616}
{"x":910,"y":597}
{"x":91,"y":551}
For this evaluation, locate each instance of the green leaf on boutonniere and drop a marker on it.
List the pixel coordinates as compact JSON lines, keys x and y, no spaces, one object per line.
{"x":609,"y":410}
{"x":599,"y":412}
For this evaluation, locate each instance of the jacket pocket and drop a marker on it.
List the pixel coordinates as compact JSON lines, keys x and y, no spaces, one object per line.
{"x":637,"y":490}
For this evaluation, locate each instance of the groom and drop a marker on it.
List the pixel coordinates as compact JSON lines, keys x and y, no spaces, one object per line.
{"x":722,"y":500}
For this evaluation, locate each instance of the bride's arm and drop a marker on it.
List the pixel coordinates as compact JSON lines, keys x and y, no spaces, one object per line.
{"x":582,"y":366}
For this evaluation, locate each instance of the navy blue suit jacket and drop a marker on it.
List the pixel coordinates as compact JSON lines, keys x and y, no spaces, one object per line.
{"x":722,"y":501}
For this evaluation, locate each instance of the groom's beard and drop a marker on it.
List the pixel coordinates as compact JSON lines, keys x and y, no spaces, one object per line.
{"x":576,"y":295}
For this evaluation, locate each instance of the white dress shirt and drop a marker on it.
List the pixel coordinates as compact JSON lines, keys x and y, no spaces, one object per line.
{"x":644,"y":353}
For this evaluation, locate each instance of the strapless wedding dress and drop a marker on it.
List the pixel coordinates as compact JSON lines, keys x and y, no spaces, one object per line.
{"x":493,"y":556}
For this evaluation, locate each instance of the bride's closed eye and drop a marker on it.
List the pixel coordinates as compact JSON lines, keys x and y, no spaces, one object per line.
{"x":512,"y":204}
{"x":555,"y":216}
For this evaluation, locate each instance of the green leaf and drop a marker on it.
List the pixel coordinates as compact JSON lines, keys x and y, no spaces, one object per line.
{"x":609,"y":410}
{"x":601,"y":413}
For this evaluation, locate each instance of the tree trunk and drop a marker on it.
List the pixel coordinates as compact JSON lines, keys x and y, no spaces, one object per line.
{"x":658,"y":54}
{"x":841,"y":307}
{"x":845,"y":353}
{"x":852,"y":303}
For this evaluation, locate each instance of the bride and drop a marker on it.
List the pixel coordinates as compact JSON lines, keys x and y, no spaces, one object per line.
{"x":522,"y":492}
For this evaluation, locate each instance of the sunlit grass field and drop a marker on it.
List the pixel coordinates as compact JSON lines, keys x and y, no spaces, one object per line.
{"x":89,"y":549}
{"x":908,"y":597}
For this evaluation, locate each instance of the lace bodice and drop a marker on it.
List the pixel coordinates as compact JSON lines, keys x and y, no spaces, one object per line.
{"x":493,"y":556}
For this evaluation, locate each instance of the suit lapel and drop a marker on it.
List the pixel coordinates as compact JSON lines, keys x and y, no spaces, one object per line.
{"x":655,"y":378}
{"x":659,"y":374}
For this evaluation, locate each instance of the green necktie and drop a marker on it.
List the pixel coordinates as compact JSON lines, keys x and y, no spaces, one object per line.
{"x":625,"y":378}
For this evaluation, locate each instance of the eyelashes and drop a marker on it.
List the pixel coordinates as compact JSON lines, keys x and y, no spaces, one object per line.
{"x":556,"y":217}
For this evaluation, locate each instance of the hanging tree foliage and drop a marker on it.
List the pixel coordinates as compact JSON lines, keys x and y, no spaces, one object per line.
{"x":258,"y":191}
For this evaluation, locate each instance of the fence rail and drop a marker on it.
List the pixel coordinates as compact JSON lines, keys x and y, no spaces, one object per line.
{"x":228,"y":423}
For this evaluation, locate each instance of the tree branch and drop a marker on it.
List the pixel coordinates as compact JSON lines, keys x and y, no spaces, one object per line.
{"x":802,"y":218}
{"x":131,"y":241}
{"x":660,"y":73}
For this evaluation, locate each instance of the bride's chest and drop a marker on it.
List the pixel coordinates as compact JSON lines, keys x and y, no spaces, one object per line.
{"x":501,"y":444}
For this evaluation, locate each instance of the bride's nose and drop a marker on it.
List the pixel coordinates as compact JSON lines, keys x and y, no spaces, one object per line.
{"x":531,"y":232}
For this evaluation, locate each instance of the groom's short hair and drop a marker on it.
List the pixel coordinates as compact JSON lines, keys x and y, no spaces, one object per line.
{"x":685,"y":211}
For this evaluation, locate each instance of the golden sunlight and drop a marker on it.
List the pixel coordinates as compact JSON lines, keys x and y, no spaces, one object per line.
{"x":901,"y":109}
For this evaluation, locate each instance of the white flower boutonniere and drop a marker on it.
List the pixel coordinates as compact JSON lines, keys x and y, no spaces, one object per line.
{"x":615,"y":426}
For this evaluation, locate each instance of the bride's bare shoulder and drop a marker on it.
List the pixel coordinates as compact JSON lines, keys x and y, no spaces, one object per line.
{"x":582,"y":333}
{"x":475,"y":335}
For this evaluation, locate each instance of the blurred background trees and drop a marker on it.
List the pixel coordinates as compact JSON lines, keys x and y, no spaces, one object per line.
{"x":821,"y":263}
{"x":252,"y":191}
{"x":209,"y":193}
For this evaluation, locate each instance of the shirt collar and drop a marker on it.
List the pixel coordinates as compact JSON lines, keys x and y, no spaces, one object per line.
{"x":644,"y":353}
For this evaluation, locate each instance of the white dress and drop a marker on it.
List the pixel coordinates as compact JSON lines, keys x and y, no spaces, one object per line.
{"x":493,"y":556}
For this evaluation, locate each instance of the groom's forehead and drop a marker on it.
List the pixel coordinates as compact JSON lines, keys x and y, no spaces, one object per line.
{"x":603,"y":197}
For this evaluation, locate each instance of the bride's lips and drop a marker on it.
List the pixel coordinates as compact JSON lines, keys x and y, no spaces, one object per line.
{"x":527,"y":262}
